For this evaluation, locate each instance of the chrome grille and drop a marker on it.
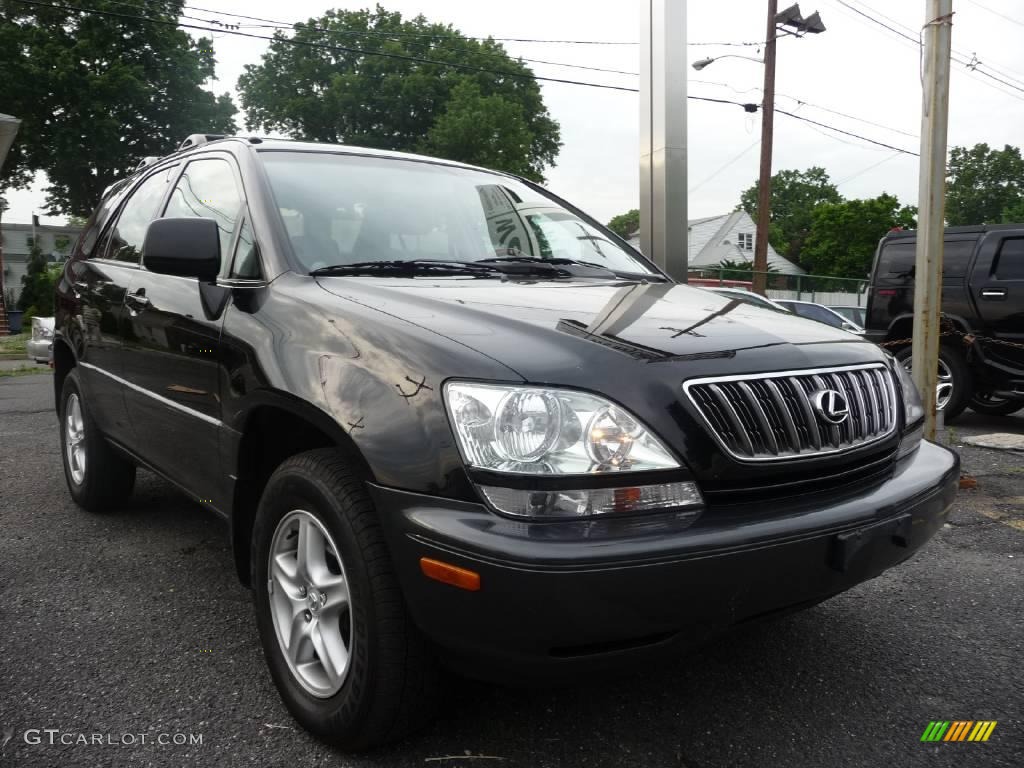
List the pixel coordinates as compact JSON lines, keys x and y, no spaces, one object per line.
{"x":770,"y":416}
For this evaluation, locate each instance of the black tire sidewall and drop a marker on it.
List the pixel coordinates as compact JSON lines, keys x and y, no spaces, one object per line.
{"x":327,"y":717}
{"x":109,"y":477}
{"x":72,"y":386}
{"x":1008,"y":407}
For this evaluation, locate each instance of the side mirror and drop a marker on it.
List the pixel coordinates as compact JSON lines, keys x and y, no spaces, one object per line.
{"x":183,"y":247}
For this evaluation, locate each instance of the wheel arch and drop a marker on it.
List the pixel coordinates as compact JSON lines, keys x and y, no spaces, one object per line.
{"x":64,"y":361}
{"x":275,"y":427}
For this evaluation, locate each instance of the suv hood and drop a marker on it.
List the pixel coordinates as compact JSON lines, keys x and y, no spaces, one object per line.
{"x":528,"y":326}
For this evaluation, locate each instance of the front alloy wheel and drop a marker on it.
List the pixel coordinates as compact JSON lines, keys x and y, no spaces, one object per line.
{"x":310,"y":603}
{"x":342,"y":649}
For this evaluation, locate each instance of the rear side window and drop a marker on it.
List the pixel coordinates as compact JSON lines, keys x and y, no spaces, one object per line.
{"x":898,"y":260}
{"x":956,"y":257}
{"x":130,"y":231}
{"x":207,"y":189}
{"x":1010,"y":261}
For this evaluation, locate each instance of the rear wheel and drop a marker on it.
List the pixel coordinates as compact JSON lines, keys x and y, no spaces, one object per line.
{"x":346,"y":658}
{"x":993,"y":405}
{"x":98,"y":477}
{"x":954,"y":389}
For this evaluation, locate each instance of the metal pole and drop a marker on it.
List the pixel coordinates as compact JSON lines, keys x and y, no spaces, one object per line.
{"x":931,"y":205}
{"x":764,"y":186}
{"x":663,"y":203}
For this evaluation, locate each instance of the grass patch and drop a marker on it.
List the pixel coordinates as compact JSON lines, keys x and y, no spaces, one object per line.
{"x":10,"y":345}
{"x":24,"y":370}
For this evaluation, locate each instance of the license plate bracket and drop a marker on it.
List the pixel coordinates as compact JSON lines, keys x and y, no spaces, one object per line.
{"x":845,"y":546}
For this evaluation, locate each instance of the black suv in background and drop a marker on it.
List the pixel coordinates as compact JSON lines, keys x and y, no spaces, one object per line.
{"x":981,"y":361}
{"x":450,"y":418}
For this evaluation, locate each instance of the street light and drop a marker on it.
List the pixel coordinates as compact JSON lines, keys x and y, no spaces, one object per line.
{"x":699,"y":65}
{"x":788,"y":22}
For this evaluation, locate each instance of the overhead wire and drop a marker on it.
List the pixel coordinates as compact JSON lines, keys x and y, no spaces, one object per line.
{"x":455,"y":65}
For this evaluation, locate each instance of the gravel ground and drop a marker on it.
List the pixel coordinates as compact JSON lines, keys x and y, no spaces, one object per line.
{"x":132,"y":626}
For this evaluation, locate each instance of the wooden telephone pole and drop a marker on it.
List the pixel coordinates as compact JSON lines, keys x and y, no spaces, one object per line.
{"x":764,"y":184}
{"x":931,"y":205}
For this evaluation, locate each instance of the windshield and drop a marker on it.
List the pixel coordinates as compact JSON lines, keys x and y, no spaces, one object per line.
{"x":346,"y":209}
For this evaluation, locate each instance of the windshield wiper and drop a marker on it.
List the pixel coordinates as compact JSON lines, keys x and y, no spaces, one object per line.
{"x":521,"y":258}
{"x":409,"y":267}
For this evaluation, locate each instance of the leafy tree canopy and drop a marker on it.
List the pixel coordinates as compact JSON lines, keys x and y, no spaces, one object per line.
{"x":625,"y":224}
{"x":793,"y":198}
{"x":984,"y":185}
{"x":317,"y":91}
{"x":96,"y":93}
{"x":844,"y":235}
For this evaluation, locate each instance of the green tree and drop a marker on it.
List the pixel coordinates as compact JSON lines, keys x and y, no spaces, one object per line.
{"x":317,"y":90}
{"x":37,"y":284}
{"x":983,"y":183}
{"x":625,"y":224}
{"x":844,"y":235}
{"x":97,"y":93}
{"x":483,"y":130}
{"x":794,"y":197}
{"x":1014,"y":214}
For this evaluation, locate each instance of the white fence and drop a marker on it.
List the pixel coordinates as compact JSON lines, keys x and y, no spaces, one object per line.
{"x":828,"y":298}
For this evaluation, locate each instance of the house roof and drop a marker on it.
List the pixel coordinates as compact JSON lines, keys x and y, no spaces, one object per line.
{"x":712,"y":240}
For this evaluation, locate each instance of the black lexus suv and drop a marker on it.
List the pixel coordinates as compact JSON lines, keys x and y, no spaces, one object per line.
{"x":453,"y":421}
{"x":981,"y":359}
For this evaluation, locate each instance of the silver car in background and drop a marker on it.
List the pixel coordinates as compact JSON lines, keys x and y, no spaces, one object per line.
{"x":40,"y":346}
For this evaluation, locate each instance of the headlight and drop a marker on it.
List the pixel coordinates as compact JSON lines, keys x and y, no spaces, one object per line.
{"x":913,"y":426}
{"x":912,"y":407}
{"x":543,"y":431}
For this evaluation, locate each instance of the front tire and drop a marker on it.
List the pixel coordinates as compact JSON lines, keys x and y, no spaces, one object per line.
{"x":98,"y":477}
{"x":991,"y":405}
{"x":956,"y":382}
{"x":342,"y":650}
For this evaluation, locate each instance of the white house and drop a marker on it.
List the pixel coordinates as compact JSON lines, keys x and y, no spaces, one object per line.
{"x":16,"y":243}
{"x":728,"y":237}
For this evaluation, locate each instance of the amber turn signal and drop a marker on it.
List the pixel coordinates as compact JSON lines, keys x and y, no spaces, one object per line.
{"x":450,"y":574}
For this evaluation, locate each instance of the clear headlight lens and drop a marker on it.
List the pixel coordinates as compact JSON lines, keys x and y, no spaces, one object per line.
{"x":545,"y":431}
{"x":912,"y":406}
{"x":913,"y":410}
{"x":590,"y":502}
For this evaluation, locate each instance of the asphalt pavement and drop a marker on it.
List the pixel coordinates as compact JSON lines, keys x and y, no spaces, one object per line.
{"x":124,"y":634}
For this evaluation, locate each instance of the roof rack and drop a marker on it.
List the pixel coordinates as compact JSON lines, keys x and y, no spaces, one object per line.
{"x":146,"y":161}
{"x":200,"y":138}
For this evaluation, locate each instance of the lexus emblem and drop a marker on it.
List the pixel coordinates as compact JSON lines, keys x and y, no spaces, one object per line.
{"x":831,"y":405}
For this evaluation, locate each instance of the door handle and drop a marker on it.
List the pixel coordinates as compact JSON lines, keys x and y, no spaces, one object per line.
{"x":993,"y":293}
{"x":136,"y":301}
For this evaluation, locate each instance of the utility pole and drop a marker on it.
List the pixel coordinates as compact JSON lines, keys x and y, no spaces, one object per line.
{"x":664,"y":230}
{"x":764,"y":185}
{"x":931,"y":205}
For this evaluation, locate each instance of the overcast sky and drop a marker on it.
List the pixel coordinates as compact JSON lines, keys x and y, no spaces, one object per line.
{"x":856,"y":67}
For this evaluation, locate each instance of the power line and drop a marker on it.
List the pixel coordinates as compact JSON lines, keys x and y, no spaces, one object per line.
{"x":419,"y":59}
{"x":322,"y":46}
{"x":723,"y":167}
{"x":845,"y":133}
{"x":974,"y":66}
{"x":997,"y":13}
{"x":869,"y":168}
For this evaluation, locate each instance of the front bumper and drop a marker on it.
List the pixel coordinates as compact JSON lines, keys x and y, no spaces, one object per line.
{"x":39,"y":351}
{"x":559,"y":596}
